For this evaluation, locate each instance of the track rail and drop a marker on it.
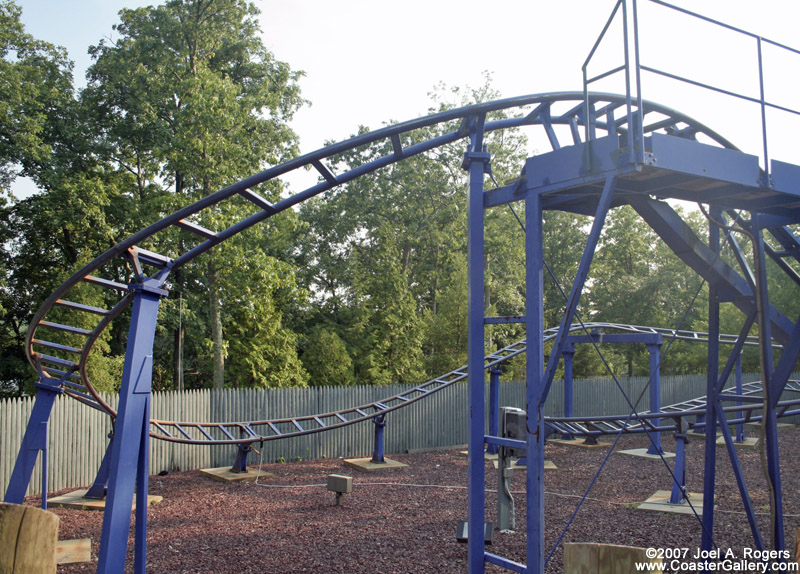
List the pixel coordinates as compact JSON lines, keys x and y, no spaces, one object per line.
{"x":265,"y":430}
{"x":669,"y":418}
{"x":67,"y":326}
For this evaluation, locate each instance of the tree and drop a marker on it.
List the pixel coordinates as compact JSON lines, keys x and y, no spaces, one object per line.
{"x":384,"y":255}
{"x":637,"y":280}
{"x":46,"y":236}
{"x":189,"y":100}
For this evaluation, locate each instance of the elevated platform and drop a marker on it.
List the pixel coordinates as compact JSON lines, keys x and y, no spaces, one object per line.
{"x":672,"y":167}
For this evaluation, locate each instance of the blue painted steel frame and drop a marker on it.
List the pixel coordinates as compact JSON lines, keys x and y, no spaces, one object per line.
{"x":569,"y":357}
{"x":34,"y":441}
{"x":129,"y":462}
{"x":377,"y":448}
{"x":536,"y":387}
{"x":476,"y":162}
{"x":653,"y":343}
{"x":494,"y":407}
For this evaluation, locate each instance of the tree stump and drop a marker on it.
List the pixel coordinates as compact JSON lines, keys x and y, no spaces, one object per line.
{"x":28,"y":538}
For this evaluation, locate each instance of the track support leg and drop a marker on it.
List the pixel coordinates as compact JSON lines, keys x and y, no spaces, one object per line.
{"x":128,"y":466}
{"x":377,"y":451}
{"x":35,"y":440}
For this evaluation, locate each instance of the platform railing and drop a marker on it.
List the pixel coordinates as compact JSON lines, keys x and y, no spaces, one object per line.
{"x":632,"y":68}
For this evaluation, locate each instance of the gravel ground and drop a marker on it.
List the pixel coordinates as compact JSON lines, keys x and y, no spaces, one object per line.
{"x":404,"y":520}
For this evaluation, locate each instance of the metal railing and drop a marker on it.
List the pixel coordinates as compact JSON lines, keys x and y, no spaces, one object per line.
{"x":632,"y":67}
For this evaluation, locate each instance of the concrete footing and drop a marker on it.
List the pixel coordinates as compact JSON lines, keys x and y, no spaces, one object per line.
{"x":224,"y":474}
{"x":659,"y":502}
{"x":642,"y":453}
{"x":76,"y":500}
{"x":578,"y":442}
{"x":366,"y":464}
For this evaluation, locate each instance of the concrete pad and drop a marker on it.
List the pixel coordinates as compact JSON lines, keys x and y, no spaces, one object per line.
{"x":749,"y":442}
{"x":76,"y":500}
{"x":486,"y":455}
{"x":367,"y":465}
{"x":74,"y":551}
{"x":578,"y":442}
{"x":659,"y":502}
{"x":699,"y":435}
{"x":642,"y":453}
{"x":224,"y":474}
{"x":755,"y":426}
{"x":548,"y":465}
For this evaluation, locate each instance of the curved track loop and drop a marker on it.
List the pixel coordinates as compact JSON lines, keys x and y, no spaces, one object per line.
{"x":265,"y":430}
{"x":669,"y":418}
{"x":63,"y":319}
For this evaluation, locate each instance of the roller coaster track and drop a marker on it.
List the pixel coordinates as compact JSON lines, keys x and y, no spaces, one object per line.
{"x":65,"y":329}
{"x":669,"y":418}
{"x":252,"y":431}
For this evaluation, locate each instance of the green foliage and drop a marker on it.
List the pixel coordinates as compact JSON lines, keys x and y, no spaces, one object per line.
{"x":326,"y":359}
{"x":363,"y":285}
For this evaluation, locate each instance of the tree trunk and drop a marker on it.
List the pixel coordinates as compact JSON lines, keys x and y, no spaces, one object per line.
{"x":177,"y":345}
{"x":177,"y":359}
{"x":215,"y":318}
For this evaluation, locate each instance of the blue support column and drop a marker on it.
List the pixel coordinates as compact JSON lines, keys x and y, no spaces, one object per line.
{"x":679,"y":484}
{"x":240,"y":462}
{"x":709,"y":477}
{"x":98,"y":489}
{"x":377,"y":450}
{"x":536,"y":385}
{"x":128,"y":466}
{"x":770,"y":420}
{"x":569,"y":356}
{"x":655,"y":395}
{"x":494,"y":406}
{"x":476,"y":162}
{"x":35,"y":440}
{"x":740,"y":426}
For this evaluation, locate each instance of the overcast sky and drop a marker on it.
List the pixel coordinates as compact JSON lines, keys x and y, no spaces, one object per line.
{"x":368,"y":62}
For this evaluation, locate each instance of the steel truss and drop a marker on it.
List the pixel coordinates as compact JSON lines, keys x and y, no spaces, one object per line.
{"x":591,"y":173}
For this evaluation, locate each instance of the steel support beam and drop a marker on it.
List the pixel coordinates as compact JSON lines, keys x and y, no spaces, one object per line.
{"x":34,"y":441}
{"x":377,"y":448}
{"x":476,"y":162}
{"x":654,"y":350}
{"x":536,"y":388}
{"x":128,"y":467}
{"x":709,"y":477}
{"x":98,"y":489}
{"x":494,"y":406}
{"x":769,"y":421}
{"x":569,"y":357}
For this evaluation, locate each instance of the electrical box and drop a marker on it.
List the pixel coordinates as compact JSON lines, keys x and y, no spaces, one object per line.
{"x":514,"y":424}
{"x":340,"y":483}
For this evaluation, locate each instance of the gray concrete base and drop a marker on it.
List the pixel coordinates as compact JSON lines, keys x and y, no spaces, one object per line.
{"x":548,"y":465}
{"x":659,"y":502}
{"x":367,"y":465}
{"x":76,"y":500}
{"x":578,"y":442}
{"x":486,"y":455}
{"x":749,"y":442}
{"x":224,"y":474}
{"x":642,"y":453}
{"x":755,"y":426}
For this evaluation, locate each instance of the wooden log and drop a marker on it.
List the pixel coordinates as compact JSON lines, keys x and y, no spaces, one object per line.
{"x":28,"y":538}
{"x":590,"y":558}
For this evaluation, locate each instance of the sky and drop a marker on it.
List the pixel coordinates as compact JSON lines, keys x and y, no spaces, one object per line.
{"x":368,"y":62}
